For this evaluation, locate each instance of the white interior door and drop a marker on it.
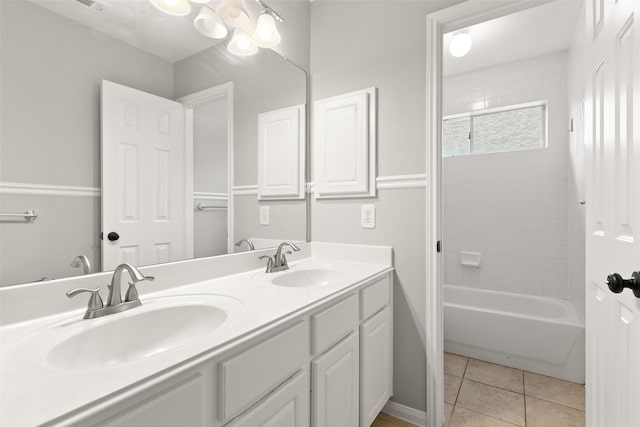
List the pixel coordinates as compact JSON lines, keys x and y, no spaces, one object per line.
{"x":613,"y":211}
{"x":143,"y":178}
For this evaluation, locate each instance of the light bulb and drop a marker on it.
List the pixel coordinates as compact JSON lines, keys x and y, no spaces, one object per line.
{"x":460,"y":45}
{"x":233,"y":13}
{"x":209,"y":24}
{"x":266,"y":34}
{"x":172,"y":7}
{"x":242,"y":44}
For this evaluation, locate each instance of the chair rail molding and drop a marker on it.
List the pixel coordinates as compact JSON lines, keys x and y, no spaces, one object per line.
{"x":28,"y":189}
{"x":244,"y":190}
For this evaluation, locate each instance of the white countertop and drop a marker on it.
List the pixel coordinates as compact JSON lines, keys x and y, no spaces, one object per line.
{"x":34,"y":392}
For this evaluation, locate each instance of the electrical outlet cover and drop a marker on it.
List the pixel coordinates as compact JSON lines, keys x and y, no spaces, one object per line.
{"x":368,"y":216}
{"x":264,"y":215}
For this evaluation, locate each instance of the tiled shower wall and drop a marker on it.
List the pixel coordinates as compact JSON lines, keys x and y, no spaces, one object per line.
{"x":511,"y":207}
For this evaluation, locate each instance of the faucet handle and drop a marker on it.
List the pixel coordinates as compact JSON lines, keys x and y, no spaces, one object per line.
{"x":269,"y":262}
{"x":132,"y":292}
{"x":95,"y":302}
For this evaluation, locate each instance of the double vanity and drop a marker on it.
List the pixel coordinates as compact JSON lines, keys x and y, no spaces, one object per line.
{"x":216,"y":342}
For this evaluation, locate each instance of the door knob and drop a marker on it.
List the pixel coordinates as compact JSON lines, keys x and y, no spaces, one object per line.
{"x":617,"y":284}
{"x":113,"y":236}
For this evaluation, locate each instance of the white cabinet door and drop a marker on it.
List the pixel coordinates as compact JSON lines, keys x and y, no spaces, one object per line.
{"x":281,"y":154}
{"x":184,"y":403}
{"x":613,"y":211}
{"x":376,"y":365}
{"x":335,"y":385}
{"x":288,"y":406}
{"x":144,"y":185}
{"x":344,"y":141}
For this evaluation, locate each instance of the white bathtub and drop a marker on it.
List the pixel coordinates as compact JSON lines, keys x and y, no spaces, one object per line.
{"x":537,"y":334}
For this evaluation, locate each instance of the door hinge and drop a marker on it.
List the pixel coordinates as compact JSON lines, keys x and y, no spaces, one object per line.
{"x":438,"y":246}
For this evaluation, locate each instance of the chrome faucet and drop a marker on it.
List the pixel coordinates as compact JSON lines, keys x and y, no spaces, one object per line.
{"x":248,"y":242}
{"x":96,"y":307}
{"x":279,"y":261}
{"x":82,"y":261}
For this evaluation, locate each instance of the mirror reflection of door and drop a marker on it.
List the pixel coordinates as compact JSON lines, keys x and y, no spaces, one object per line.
{"x":144,"y":184}
{"x":212,"y":118}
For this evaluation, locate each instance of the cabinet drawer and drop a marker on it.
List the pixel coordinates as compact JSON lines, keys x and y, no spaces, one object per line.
{"x":334,"y":323}
{"x":247,"y":377}
{"x":374,"y":297}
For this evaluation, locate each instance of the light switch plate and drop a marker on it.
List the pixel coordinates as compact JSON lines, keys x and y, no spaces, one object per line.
{"x":264,"y":215}
{"x":368,"y":216}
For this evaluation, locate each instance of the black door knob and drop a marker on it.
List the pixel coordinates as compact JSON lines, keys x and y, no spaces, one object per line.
{"x":113,"y":236}
{"x":617,"y":283}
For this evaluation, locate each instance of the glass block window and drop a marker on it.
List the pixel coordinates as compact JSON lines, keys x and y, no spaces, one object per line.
{"x":513,"y":129}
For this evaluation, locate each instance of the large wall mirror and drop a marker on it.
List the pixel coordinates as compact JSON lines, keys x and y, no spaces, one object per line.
{"x":134,"y":138}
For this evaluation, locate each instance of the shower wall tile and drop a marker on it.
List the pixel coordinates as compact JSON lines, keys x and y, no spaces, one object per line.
{"x":511,"y":207}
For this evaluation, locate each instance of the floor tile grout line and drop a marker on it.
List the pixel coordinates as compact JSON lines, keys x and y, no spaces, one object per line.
{"x":485,"y":415}
{"x":494,"y":386}
{"x":555,"y":403}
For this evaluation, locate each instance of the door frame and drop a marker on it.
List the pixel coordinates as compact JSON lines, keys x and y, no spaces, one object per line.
{"x":438,"y":23}
{"x":201,"y":97}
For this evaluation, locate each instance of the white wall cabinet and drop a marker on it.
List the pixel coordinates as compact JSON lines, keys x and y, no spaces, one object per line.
{"x":275,"y":379}
{"x":281,"y":154}
{"x":344,"y":141}
{"x":376,"y":365}
{"x":335,"y":385}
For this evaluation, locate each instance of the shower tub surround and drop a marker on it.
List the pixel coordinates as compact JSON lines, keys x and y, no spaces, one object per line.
{"x":216,"y":342}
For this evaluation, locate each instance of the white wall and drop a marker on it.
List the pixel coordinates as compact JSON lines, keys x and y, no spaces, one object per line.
{"x":512,"y":206}
{"x":576,"y":82}
{"x":360,"y":44}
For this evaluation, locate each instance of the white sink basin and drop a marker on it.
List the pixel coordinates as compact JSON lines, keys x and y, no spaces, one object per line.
{"x":157,"y":327}
{"x":310,"y":277}
{"x":144,"y":334}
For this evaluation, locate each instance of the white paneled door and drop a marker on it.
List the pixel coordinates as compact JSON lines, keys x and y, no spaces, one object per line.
{"x":613,"y":212}
{"x":144,"y":180}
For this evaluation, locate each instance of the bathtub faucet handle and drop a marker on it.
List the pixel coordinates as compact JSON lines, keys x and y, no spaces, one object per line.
{"x":617,"y":283}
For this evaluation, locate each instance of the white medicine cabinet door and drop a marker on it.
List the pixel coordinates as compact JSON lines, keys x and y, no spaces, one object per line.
{"x":344,"y":141}
{"x":335,"y":385}
{"x":281,"y":154}
{"x":376,"y":365}
{"x":288,"y":406}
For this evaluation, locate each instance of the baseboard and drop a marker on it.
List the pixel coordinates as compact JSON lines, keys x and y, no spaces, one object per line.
{"x":406,"y":413}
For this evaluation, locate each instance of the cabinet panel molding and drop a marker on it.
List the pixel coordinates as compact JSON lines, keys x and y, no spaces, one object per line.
{"x":281,"y":154}
{"x":344,"y":141}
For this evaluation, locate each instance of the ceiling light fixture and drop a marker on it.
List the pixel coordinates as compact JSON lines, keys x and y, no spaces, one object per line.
{"x":460,"y":44}
{"x":242,"y":43}
{"x":209,"y":24}
{"x":266,"y":34}
{"x":172,"y":7}
{"x":230,"y":15}
{"x":233,"y":13}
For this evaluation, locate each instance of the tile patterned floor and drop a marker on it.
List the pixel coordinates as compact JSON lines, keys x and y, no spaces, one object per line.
{"x":482,"y":394}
